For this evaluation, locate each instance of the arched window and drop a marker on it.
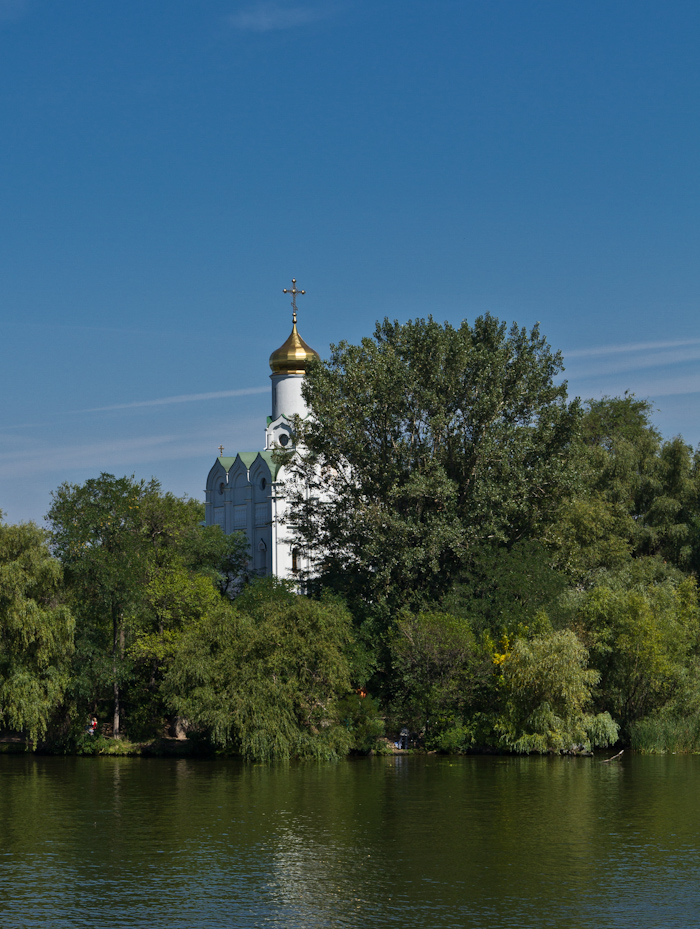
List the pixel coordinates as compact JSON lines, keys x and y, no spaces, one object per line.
{"x":261,"y":557}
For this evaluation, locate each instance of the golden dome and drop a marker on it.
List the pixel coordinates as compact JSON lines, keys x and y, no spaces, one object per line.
{"x":294,"y":356}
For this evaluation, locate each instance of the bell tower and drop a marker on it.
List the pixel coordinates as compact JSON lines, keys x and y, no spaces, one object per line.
{"x":288,"y":364}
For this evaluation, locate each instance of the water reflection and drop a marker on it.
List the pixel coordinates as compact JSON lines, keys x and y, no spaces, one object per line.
{"x":463,"y":842}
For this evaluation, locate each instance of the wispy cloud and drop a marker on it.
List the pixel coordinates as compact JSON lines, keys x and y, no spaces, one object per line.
{"x":671,"y":386}
{"x":268,"y":16}
{"x":663,"y":385}
{"x":601,"y":365}
{"x":663,"y":368}
{"x":629,"y":347}
{"x":107,"y":455}
{"x":136,"y":404}
{"x":181,"y":398}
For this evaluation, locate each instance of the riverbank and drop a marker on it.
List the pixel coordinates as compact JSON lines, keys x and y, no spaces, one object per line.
{"x":99,"y":745}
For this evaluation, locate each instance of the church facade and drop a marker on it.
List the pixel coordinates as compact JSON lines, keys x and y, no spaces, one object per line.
{"x":245,"y":492}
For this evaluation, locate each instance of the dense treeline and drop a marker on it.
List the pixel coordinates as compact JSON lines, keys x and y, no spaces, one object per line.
{"x":493,"y":566}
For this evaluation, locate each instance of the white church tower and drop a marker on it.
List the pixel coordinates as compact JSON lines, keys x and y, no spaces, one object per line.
{"x":245,"y":492}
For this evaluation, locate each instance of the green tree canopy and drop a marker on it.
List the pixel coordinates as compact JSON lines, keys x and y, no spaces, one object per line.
{"x":36,"y":631}
{"x":138,"y":565}
{"x":264,"y":675}
{"x":637,"y":494}
{"x":425,"y":441}
{"x":437,"y":673}
{"x":641,"y":637}
{"x":547,"y":689}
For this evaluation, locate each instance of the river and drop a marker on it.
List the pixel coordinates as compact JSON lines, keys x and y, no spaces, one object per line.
{"x":401,"y":841}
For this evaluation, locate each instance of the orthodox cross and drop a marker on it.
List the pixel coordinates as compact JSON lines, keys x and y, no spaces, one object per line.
{"x":293,"y":291}
{"x":221,"y":449}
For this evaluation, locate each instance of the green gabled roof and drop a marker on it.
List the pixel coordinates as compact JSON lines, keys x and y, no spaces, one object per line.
{"x":269,"y":457}
{"x":248,"y":458}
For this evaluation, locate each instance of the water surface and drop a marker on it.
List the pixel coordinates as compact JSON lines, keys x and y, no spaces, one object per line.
{"x":403,"y":841}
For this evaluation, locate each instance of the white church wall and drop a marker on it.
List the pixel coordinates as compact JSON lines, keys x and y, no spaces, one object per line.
{"x":246,"y":493}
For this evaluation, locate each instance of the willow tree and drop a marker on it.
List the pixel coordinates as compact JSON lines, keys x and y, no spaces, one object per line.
{"x":427,"y":441}
{"x":547,"y":693}
{"x":264,"y":676}
{"x":36,"y":631}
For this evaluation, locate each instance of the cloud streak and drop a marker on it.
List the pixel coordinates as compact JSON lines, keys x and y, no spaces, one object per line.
{"x":592,"y":366}
{"x":181,"y":398}
{"x":108,"y":455}
{"x":629,"y":347}
{"x":269,"y":16}
{"x":660,"y":386}
{"x":654,"y":369}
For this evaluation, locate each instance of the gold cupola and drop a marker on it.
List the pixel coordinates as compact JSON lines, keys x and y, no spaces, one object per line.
{"x":295,"y":355}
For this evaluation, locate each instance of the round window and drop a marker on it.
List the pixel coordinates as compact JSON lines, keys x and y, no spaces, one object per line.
{"x":284,"y":439}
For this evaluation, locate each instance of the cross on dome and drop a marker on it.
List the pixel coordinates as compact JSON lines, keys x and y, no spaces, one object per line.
{"x":294,"y":356}
{"x":293,"y":291}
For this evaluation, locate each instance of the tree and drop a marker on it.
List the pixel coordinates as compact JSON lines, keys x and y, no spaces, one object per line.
{"x":502,"y":589}
{"x":547,"y":688}
{"x":636,"y":495}
{"x":36,"y":631}
{"x":437,"y":673}
{"x":424,"y":442}
{"x":96,"y":535}
{"x":643,"y":636}
{"x":264,"y":675}
{"x":136,"y":562}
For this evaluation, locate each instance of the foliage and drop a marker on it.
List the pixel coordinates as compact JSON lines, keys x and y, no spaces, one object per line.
{"x":637,"y":496}
{"x":502,"y":589}
{"x":667,"y":730}
{"x":36,"y":631}
{"x":642,"y":640}
{"x":451,"y":495}
{"x":362,"y":717}
{"x":438,"y":672}
{"x":86,"y":744}
{"x":547,"y":689}
{"x":264,"y":675}
{"x":139,"y":565}
{"x":424,"y":442}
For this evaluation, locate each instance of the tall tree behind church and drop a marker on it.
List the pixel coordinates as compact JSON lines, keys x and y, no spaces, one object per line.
{"x":425,"y":442}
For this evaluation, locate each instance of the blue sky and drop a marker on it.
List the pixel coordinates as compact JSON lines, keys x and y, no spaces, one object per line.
{"x":167,"y":167}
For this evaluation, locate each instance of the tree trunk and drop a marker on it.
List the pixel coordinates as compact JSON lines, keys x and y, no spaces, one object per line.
{"x":115,"y":720}
{"x":117,"y":653}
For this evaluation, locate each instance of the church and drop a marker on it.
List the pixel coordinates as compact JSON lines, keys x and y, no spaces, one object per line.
{"x":245,"y":492}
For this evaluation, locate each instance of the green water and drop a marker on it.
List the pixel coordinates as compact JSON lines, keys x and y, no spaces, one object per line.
{"x":406,"y":841}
